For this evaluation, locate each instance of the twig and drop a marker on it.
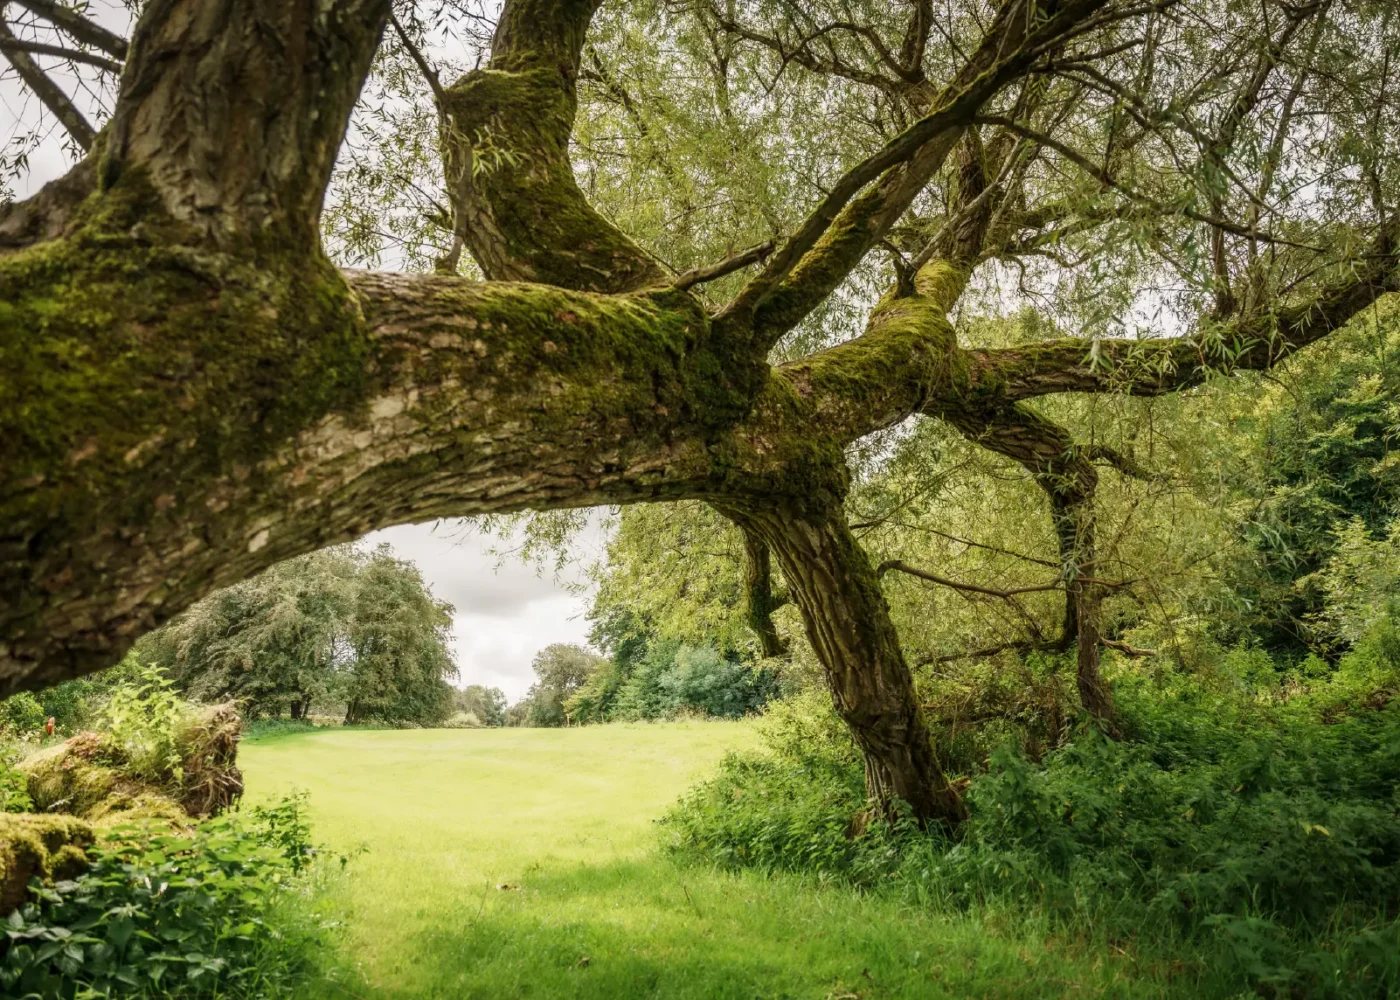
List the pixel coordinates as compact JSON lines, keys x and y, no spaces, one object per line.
{"x":75,"y":24}
{"x":699,"y":275}
{"x":1126,"y":649}
{"x":46,"y":90}
{"x":76,"y":55}
{"x":429,"y":74}
{"x":902,"y":567}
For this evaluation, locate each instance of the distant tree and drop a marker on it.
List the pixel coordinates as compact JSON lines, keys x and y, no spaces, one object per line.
{"x":341,"y":624}
{"x":276,"y":642}
{"x":561,"y":670}
{"x":401,"y":647}
{"x":488,"y":704}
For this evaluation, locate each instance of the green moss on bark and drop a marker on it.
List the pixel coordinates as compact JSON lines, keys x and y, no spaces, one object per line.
{"x":119,"y":349}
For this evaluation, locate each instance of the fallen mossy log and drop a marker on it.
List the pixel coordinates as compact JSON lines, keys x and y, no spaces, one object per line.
{"x":89,"y":775}
{"x":48,"y":847}
{"x":85,"y":786}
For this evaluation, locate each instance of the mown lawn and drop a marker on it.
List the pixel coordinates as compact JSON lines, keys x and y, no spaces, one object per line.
{"x":525,"y":863}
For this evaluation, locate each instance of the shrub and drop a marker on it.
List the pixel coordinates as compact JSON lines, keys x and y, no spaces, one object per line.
{"x":156,"y":914}
{"x":14,"y":786}
{"x":21,"y":714}
{"x":143,"y":721}
{"x":1258,"y":823}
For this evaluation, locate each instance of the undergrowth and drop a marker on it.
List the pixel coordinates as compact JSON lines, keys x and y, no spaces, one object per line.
{"x":217,"y":913}
{"x":1249,"y":823}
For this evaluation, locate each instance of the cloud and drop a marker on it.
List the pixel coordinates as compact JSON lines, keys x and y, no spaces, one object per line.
{"x":505,"y":611}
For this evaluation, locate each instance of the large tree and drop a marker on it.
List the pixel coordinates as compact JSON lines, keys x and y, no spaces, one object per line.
{"x":192,"y":391}
{"x":343,"y":625}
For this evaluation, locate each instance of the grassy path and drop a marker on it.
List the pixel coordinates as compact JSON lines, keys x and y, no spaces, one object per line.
{"x":524,"y":863}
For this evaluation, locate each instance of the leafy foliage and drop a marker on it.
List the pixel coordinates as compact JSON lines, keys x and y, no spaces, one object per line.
{"x":143,"y":720}
{"x":485,"y":705}
{"x":560,"y":670}
{"x":340,"y":627}
{"x":1258,"y":817}
{"x":14,"y":790}
{"x":156,"y":914}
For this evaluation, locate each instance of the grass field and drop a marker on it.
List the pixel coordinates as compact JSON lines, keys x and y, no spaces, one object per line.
{"x":525,"y":863}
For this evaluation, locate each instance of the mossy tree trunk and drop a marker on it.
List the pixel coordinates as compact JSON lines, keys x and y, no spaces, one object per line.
{"x":190,"y":391}
{"x":849,"y":626}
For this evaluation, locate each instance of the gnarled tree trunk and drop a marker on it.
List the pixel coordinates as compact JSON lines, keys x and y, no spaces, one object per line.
{"x":849,"y":626}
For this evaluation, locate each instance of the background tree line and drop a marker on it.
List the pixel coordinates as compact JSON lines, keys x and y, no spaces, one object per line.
{"x":643,"y":677}
{"x":344,"y":629}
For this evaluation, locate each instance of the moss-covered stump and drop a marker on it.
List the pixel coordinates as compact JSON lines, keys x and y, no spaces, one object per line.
{"x":89,"y":776}
{"x":48,"y":847}
{"x":210,"y":780}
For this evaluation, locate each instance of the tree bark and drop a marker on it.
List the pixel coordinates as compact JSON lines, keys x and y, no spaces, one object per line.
{"x":849,"y":626}
{"x":1062,"y":469}
{"x":235,"y":112}
{"x":761,"y":601}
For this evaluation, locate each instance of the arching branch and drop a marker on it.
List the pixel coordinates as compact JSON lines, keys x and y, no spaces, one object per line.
{"x":1153,"y":367}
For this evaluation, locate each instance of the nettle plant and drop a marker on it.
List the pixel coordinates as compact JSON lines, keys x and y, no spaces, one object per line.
{"x":719,"y":250}
{"x":159,"y":914}
{"x":142,"y":721}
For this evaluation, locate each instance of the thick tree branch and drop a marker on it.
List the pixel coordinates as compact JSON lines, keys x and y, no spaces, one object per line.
{"x":75,"y":24}
{"x":1155,"y":367}
{"x":506,"y":135}
{"x":234,"y":116}
{"x":45,"y":89}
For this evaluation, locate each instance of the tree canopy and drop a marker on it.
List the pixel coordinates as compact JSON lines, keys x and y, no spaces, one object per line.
{"x":727,"y":252}
{"x":342,"y":627}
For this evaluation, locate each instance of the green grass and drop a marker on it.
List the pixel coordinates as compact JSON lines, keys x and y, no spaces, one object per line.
{"x":525,"y":863}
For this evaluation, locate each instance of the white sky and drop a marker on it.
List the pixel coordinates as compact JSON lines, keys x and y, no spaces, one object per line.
{"x":505,"y":611}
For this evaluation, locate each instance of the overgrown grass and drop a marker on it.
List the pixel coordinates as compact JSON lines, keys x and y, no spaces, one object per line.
{"x":526,"y":863}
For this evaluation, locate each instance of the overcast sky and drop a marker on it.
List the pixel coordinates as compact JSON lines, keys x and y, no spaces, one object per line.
{"x":504,"y":613}
{"x":506,"y":610}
